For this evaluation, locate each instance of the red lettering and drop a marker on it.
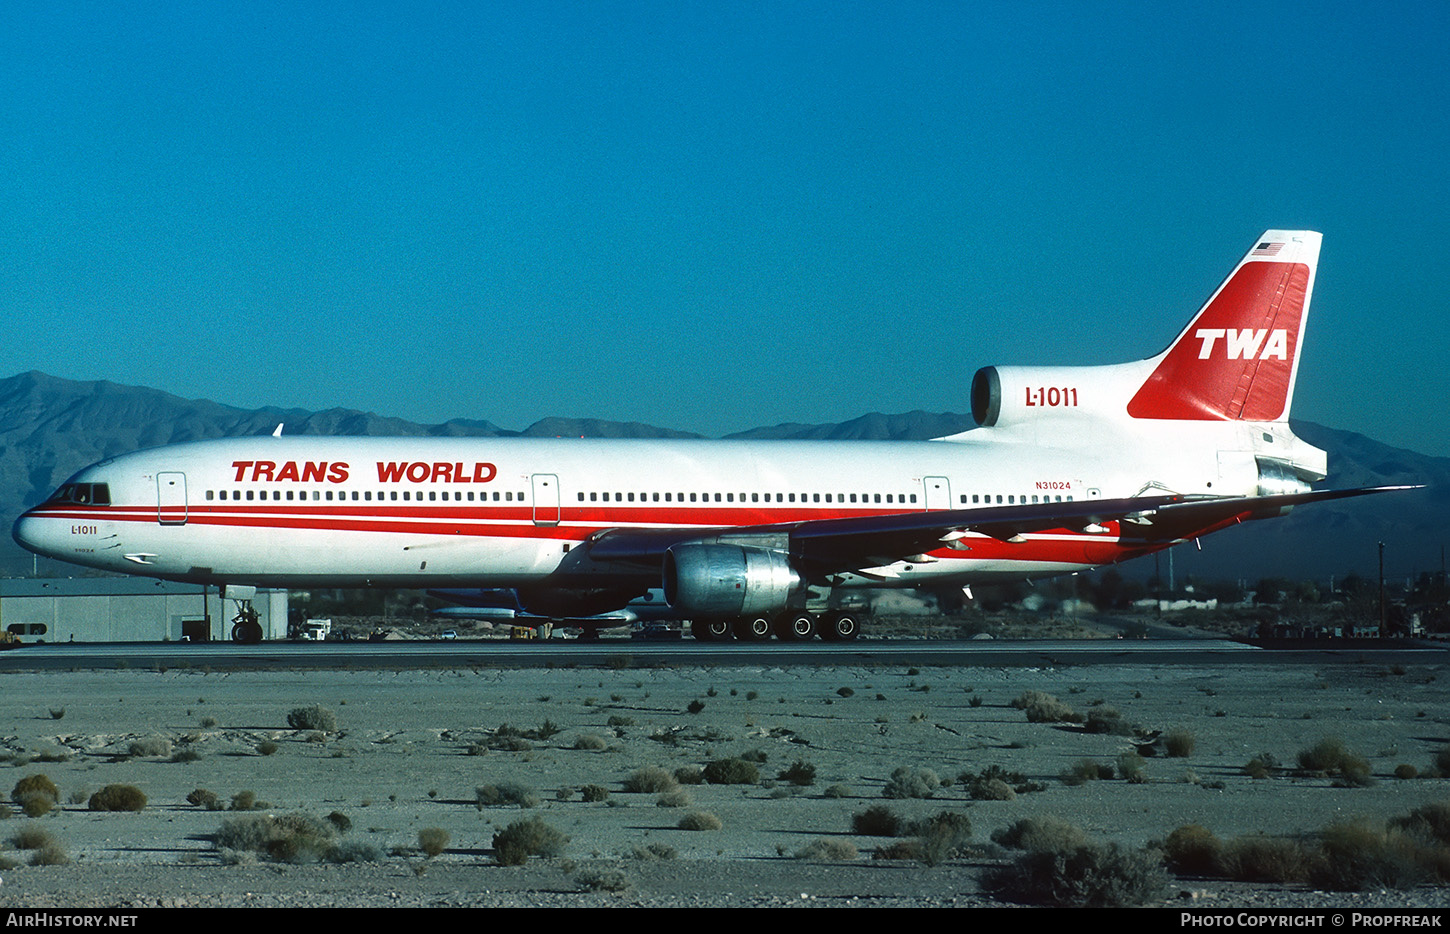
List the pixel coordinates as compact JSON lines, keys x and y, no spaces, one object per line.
{"x":262,"y":470}
{"x":288,"y":472}
{"x":241,"y":469}
{"x":1030,"y":403}
{"x":338,"y":473}
{"x":313,"y":472}
{"x":421,"y":472}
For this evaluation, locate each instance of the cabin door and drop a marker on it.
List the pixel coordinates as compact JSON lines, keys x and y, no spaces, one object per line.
{"x":938,"y":493}
{"x":546,"y":499}
{"x":171,"y":498}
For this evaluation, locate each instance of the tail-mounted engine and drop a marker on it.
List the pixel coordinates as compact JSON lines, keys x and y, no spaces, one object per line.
{"x":711,"y":581}
{"x":1010,"y":395}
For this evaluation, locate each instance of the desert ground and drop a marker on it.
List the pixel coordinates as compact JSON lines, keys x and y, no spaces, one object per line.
{"x":411,"y":751}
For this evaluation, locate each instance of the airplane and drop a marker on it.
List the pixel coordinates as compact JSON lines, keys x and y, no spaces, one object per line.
{"x":1069,"y":468}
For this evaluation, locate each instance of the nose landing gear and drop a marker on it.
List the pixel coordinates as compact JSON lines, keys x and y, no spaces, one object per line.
{"x":245,"y":626}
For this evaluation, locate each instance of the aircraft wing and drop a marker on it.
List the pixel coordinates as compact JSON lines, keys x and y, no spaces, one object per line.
{"x":827,"y":546}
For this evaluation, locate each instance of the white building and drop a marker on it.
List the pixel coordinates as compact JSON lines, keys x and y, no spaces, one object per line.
{"x":128,"y":609}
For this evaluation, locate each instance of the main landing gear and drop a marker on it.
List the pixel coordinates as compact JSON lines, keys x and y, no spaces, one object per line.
{"x":793,"y":626}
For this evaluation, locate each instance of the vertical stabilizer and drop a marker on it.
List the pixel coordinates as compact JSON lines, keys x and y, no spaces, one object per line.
{"x":1238,"y":357}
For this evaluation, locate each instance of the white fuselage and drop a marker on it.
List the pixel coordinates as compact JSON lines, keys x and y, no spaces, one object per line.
{"x":502,"y":512}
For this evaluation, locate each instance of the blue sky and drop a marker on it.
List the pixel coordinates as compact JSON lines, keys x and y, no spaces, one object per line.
{"x":715,"y":218}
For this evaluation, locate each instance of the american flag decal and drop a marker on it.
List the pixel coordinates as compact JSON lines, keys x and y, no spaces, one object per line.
{"x":1267,"y":249}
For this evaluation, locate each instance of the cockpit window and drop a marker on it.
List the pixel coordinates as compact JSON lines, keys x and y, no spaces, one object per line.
{"x":83,"y":494}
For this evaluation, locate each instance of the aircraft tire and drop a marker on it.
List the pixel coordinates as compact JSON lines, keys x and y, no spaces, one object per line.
{"x":753,"y":628}
{"x":840,"y":627}
{"x":715,"y":630}
{"x":247,"y":632}
{"x":796,"y":627}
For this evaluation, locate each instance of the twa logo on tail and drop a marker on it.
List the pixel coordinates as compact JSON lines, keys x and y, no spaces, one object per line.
{"x":1237,"y":359}
{"x":1244,"y":344}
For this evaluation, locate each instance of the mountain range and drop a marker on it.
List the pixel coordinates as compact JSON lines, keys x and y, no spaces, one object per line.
{"x":51,"y":427}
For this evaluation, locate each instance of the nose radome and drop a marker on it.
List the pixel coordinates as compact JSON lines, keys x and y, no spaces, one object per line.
{"x":29,"y":533}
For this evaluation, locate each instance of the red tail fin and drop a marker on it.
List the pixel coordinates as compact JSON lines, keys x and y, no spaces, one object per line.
{"x":1238,"y":357}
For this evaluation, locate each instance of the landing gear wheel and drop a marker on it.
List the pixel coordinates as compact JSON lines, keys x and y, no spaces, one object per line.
{"x":752,"y":629}
{"x":245,"y":627}
{"x":714,"y":630}
{"x":840,"y":627}
{"x":796,"y":627}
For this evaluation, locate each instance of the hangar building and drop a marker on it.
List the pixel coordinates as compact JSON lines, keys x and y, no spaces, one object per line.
{"x":128,"y":609}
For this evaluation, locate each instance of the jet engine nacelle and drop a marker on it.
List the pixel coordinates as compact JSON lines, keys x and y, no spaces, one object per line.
{"x":714,"y":581}
{"x":1009,"y":395}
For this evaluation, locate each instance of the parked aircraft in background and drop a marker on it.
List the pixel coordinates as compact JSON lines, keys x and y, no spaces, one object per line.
{"x":1069,"y":468}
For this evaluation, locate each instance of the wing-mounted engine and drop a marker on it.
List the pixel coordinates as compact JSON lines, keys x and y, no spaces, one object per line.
{"x":714,"y":581}
{"x":1006,"y":396}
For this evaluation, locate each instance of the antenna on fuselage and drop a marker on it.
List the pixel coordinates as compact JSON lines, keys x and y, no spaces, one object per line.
{"x":278,"y":432}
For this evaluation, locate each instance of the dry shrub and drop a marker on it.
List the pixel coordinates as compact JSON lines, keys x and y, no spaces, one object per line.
{"x":942,"y":836}
{"x":800,"y":773}
{"x":38,"y":783}
{"x":1358,"y":856}
{"x":151,"y":747}
{"x":1179,"y":743}
{"x":654,"y":851}
{"x":907,"y":782}
{"x":506,"y":793}
{"x":528,"y":837}
{"x":433,"y":841}
{"x":1265,"y":859}
{"x":31,"y":837}
{"x":1044,"y":708}
{"x":285,"y":838}
{"x":1193,"y":850}
{"x":828,"y":850}
{"x":1431,"y":822}
{"x":1048,"y":833}
{"x":1330,"y":756}
{"x":205,"y":799}
{"x":650,"y":780}
{"x":732,"y":771}
{"x":678,"y":798}
{"x":877,"y":821}
{"x":1132,"y":767}
{"x":1086,"y":876}
{"x":118,"y":798}
{"x":1107,"y":720}
{"x":316,"y":717}
{"x":1086,"y":770}
{"x":700,"y":820}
